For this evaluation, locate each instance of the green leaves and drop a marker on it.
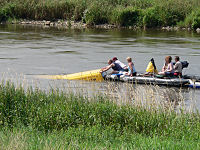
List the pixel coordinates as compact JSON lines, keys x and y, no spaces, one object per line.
{"x":126,"y":16}
{"x":7,"y":11}
{"x":96,"y":13}
{"x":196,"y":20}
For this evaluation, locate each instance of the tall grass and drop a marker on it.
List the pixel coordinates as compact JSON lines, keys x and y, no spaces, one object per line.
{"x":143,"y":13}
{"x":31,"y":118}
{"x":55,"y":111}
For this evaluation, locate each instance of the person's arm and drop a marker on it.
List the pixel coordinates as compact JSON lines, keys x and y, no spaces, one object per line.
{"x":163,"y":68}
{"x":103,"y":68}
{"x":125,"y":67}
{"x":107,"y":68}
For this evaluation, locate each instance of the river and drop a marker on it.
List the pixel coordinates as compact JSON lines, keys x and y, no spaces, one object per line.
{"x":29,"y":50}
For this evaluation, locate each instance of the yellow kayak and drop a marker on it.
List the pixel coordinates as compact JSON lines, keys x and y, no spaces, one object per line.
{"x":92,"y":75}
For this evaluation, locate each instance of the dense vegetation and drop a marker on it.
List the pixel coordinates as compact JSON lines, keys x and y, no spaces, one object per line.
{"x":34,"y":119}
{"x":140,"y":13}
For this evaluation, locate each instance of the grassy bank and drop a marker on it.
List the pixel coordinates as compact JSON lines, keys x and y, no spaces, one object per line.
{"x":88,"y":138}
{"x":140,"y":13}
{"x":34,"y":119}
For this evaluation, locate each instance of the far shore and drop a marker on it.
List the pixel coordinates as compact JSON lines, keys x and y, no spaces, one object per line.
{"x":81,"y":25}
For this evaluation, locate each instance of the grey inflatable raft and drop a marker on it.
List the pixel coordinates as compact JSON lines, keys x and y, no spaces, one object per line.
{"x":176,"y":82}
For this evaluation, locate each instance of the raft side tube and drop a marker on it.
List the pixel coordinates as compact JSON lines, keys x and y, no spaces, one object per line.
{"x":92,"y":75}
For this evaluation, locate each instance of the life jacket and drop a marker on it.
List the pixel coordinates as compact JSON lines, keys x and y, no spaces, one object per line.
{"x":117,"y":67}
{"x":151,"y":68}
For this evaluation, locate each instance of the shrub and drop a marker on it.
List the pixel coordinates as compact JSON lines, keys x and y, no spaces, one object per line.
{"x":78,"y":11}
{"x":193,"y":19}
{"x":152,"y":18}
{"x":172,"y":13}
{"x":7,"y":12}
{"x":188,"y":20}
{"x":52,"y":10}
{"x":96,"y":13}
{"x":196,"y":20}
{"x":128,"y":16}
{"x":166,"y":13}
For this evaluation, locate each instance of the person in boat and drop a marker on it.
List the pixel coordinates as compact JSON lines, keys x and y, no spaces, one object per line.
{"x":168,"y":68}
{"x":151,"y":68}
{"x":131,"y":68}
{"x":115,"y":60}
{"x":178,"y":67}
{"x":116,"y":67}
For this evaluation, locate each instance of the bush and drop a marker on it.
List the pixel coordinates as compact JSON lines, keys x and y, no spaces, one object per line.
{"x":188,"y":21}
{"x":164,"y":14}
{"x":52,"y":10}
{"x":43,"y":10}
{"x":78,"y":10}
{"x":196,"y":20}
{"x":171,"y":13}
{"x":96,"y":13}
{"x":152,"y":18}
{"x":128,"y":16}
{"x":192,"y":20}
{"x":7,"y":12}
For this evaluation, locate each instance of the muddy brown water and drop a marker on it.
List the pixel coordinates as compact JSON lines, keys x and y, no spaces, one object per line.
{"x":29,"y":50}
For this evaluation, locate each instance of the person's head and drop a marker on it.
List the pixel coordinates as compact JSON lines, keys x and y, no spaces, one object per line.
{"x":110,"y":61}
{"x":114,"y":59}
{"x":177,"y":58}
{"x":129,"y":59}
{"x":168,"y":59}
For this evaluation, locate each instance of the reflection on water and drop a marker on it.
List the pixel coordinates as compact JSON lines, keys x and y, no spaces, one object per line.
{"x":67,"y":52}
{"x":7,"y":58}
{"x":31,"y":51}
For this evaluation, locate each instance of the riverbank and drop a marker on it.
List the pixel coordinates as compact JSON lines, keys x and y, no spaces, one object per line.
{"x":106,"y":14}
{"x":81,"y":25}
{"x":32,"y":119}
{"x":60,"y":23}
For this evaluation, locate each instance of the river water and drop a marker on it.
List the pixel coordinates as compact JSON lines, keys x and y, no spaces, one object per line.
{"x":30,"y":50}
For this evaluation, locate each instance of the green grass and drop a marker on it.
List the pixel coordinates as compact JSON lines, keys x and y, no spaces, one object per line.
{"x":140,"y":13}
{"x":35,"y":119}
{"x":88,"y":138}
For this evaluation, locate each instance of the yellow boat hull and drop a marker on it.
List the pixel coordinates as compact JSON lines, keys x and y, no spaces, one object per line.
{"x":92,"y":75}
